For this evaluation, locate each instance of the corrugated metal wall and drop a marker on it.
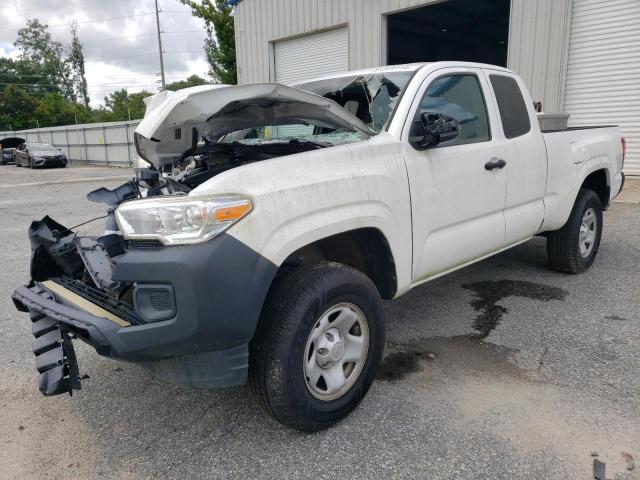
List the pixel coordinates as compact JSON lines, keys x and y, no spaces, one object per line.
{"x":537,"y":37}
{"x":97,"y":143}
{"x":603,"y":75}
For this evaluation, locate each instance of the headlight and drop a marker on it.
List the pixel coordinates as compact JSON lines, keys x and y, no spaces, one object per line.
{"x":180,"y":220}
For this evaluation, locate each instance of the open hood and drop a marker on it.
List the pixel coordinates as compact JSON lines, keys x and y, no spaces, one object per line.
{"x":11,"y":142}
{"x":175,"y":121}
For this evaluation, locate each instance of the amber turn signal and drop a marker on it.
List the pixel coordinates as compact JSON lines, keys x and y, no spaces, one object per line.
{"x":233,"y":212}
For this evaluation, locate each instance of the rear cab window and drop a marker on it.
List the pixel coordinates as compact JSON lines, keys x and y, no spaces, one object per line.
{"x":513,"y":110}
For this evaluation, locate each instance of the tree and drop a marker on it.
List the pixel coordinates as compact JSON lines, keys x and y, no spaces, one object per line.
{"x":45,"y":55}
{"x":220,"y":43}
{"x":192,"y":81}
{"x":76,"y":65}
{"x":16,"y":108}
{"x":53,"y":109}
{"x":122,"y":105}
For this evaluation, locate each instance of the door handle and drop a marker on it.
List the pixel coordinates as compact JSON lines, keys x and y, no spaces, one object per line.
{"x":495,"y":163}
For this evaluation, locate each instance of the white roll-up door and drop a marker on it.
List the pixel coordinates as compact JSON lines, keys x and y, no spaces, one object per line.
{"x":311,"y":56}
{"x":603,"y":74}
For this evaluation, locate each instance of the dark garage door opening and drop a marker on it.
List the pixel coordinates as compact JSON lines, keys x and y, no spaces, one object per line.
{"x":467,"y":30}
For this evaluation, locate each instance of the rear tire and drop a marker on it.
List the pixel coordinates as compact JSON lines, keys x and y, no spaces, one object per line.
{"x":326,"y":314}
{"x":574,"y":247}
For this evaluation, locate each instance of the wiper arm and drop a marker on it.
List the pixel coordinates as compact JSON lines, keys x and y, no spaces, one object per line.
{"x":297,"y":141}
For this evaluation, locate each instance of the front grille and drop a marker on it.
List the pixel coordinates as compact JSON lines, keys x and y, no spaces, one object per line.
{"x":119,"y":308}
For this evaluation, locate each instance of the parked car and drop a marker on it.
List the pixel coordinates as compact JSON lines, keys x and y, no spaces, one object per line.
{"x":34,"y":155}
{"x":7,"y":146}
{"x":273,"y":221}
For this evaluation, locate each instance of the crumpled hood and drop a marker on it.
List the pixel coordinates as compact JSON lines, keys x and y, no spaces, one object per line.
{"x":174,"y":121}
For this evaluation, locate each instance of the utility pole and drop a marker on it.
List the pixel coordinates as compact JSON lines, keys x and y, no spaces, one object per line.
{"x":160,"y":46}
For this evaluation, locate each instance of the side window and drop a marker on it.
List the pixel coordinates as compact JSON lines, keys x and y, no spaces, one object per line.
{"x":459,"y":97}
{"x":513,"y":110}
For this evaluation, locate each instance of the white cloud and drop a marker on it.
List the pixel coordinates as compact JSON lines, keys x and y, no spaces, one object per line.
{"x":119,"y":53}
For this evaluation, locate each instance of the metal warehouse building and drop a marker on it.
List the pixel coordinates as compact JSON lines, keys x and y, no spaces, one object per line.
{"x":581,"y":57}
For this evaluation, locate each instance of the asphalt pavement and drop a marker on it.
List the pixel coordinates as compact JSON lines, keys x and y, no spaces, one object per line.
{"x":501,"y":370}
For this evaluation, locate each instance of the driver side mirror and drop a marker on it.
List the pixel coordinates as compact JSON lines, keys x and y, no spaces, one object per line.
{"x":433,"y":129}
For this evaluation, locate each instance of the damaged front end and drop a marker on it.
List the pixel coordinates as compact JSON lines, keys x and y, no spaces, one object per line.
{"x":165,"y":285}
{"x":160,"y":298}
{"x":69,"y":273}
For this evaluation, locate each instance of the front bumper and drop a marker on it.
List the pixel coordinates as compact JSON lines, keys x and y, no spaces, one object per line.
{"x":219,"y":288}
{"x":49,"y":162}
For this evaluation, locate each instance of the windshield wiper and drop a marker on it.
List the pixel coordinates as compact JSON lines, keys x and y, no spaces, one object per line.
{"x":298,"y":141}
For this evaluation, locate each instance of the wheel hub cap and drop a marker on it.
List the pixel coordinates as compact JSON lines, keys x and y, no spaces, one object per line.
{"x":336,"y":351}
{"x":588,"y":230}
{"x":330,"y":348}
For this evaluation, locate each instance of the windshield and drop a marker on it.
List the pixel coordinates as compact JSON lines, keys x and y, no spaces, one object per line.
{"x":42,"y":147}
{"x":370,"y":97}
{"x":304,"y":132}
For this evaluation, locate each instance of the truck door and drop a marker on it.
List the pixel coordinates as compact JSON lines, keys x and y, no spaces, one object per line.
{"x":458,"y":188}
{"x":526,"y":156}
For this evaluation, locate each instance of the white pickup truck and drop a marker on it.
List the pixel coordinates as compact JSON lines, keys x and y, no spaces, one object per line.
{"x":274,"y":220}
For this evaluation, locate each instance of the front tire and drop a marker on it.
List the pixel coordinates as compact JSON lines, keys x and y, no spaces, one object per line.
{"x":318,"y":345}
{"x":574,"y":247}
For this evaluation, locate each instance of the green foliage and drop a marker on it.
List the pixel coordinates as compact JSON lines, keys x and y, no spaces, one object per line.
{"x":46,"y":85}
{"x":75,"y":63}
{"x":220,"y":44}
{"x":55,"y":110}
{"x":16,"y":108}
{"x":122,"y":105}
{"x":46,"y":56}
{"x":192,"y":81}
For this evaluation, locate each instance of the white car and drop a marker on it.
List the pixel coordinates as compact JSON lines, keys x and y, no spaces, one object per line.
{"x":274,"y":220}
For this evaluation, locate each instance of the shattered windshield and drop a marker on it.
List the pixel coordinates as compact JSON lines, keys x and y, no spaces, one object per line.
{"x":370,"y":97}
{"x":307,"y":132}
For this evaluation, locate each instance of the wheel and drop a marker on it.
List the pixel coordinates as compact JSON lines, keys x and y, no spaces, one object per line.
{"x":318,"y":345}
{"x":574,"y":247}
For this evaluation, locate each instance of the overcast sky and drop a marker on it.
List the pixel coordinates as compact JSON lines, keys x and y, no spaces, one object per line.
{"x":120,"y":48}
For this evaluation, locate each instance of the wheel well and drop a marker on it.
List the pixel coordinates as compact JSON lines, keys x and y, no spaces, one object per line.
{"x":365,"y":249}
{"x":598,"y":182}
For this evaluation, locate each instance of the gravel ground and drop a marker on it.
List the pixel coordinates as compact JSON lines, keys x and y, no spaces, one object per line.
{"x":501,"y":370}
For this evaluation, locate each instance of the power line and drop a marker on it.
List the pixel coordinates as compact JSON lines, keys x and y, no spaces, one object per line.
{"x":140,"y":35}
{"x":142,"y":55}
{"x":99,"y":20}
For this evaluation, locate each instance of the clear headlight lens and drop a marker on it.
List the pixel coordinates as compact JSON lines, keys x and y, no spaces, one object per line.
{"x":180,"y":220}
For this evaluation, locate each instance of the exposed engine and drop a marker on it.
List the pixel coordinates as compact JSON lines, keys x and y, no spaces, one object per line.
{"x":87,"y":262}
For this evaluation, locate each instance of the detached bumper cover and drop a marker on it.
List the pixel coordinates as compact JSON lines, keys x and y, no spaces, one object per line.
{"x":219,"y":287}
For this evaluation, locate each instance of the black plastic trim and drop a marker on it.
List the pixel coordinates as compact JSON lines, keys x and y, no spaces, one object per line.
{"x":220,"y":287}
